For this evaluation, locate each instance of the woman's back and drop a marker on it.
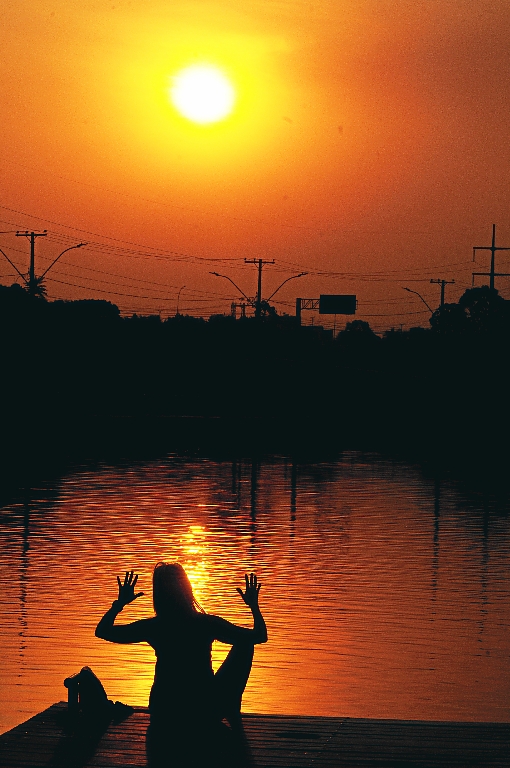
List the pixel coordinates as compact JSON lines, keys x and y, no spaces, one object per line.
{"x":184,"y":674}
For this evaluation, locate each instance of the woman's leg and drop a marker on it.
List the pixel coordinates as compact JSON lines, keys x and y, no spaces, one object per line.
{"x":231,"y":678}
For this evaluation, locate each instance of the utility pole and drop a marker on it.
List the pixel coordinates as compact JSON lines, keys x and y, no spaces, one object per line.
{"x":298,"y":310}
{"x":442,"y":283}
{"x":32,"y":282}
{"x":233,"y":309}
{"x":261,"y":263}
{"x":492,"y":248}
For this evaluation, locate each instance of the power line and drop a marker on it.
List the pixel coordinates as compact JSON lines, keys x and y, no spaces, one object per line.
{"x":130,"y":295}
{"x":147,"y":250}
{"x":395,"y":314}
{"x":379,"y":272}
{"x":159,"y":253}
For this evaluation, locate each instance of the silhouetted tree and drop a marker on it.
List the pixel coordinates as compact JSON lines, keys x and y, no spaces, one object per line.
{"x":449,"y":319}
{"x":14,"y":296}
{"x":360,"y":327}
{"x":267,"y":309}
{"x":85,"y":311}
{"x":357,"y":335}
{"x":38,"y":288}
{"x":479,"y":311}
{"x":485,"y":309}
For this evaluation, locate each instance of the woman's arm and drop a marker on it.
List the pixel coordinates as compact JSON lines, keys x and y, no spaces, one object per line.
{"x":226,"y":632}
{"x":251,"y":598}
{"x":127,"y":633}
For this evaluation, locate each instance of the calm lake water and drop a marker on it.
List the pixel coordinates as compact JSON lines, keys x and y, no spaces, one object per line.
{"x":386,"y":594}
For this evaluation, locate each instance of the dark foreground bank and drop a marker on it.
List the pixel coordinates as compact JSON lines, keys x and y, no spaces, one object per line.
{"x":273,"y":741}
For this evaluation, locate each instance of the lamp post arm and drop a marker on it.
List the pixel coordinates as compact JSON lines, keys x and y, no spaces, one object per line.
{"x":235,"y":286}
{"x":292,"y":277}
{"x":58,"y":257}
{"x":410,"y":290}
{"x":14,"y":266}
{"x":178,"y":297}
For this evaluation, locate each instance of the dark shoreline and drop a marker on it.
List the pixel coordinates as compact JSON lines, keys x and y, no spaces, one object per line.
{"x":31,"y":455}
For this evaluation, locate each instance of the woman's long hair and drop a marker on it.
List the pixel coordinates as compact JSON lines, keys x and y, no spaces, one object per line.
{"x":172,"y":592}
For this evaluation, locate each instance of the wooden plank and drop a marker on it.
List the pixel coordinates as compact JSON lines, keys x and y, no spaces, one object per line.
{"x":275,"y":741}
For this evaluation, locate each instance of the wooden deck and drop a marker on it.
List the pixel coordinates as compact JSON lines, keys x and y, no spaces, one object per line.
{"x":275,"y":742}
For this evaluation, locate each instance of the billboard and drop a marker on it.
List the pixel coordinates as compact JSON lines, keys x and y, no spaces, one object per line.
{"x":337,"y":304}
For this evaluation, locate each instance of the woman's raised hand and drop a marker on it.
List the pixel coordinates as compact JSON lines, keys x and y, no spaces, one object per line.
{"x":127,"y":589}
{"x":251,"y":595}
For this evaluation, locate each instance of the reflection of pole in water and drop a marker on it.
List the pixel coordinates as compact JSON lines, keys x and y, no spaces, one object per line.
{"x":253,"y":497}
{"x":484,"y":572}
{"x":254,"y":488}
{"x":435,"y":550}
{"x":236,"y":479}
{"x":23,"y":580}
{"x":293,"y":492}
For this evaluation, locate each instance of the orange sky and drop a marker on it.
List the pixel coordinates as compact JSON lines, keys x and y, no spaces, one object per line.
{"x":370,"y":142}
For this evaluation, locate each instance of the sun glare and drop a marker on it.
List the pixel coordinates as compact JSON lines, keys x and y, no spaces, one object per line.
{"x":202,"y":94}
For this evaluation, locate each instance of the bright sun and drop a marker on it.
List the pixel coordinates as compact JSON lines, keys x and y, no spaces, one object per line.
{"x":202,"y":93}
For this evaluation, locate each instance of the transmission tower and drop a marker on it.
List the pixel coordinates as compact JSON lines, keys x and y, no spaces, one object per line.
{"x":492,"y":248}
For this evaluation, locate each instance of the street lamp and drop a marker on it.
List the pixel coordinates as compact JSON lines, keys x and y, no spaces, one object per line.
{"x":235,"y":286}
{"x":35,"y":284}
{"x":251,"y":301}
{"x":410,"y":290}
{"x":178,"y":297}
{"x":292,"y":277}
{"x":58,"y":257}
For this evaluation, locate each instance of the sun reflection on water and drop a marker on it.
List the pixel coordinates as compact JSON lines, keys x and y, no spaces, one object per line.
{"x":195,"y":560}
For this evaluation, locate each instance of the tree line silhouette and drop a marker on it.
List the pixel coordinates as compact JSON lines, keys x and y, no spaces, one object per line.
{"x":77,"y":373}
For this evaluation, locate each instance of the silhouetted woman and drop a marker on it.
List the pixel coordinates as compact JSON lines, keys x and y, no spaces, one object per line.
{"x":185,"y":687}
